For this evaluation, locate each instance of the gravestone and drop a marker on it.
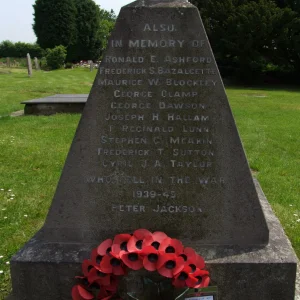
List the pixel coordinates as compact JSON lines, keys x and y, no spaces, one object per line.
{"x":29,"y":65}
{"x":36,"y":63}
{"x":8,"y":62}
{"x":91,"y":65}
{"x":157,"y":148}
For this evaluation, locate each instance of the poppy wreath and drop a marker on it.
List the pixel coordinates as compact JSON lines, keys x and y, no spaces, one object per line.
{"x":153,"y":251}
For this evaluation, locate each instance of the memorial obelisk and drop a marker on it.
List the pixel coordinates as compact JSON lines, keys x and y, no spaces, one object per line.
{"x":157,"y":147}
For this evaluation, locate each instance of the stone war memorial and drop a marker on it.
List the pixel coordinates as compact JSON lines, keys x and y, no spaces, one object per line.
{"x":157,"y":148}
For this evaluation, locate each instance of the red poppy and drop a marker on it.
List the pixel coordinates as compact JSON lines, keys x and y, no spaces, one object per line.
{"x":200,"y":262}
{"x":203,"y":278}
{"x":106,"y":298}
{"x":141,"y":233}
{"x":189,"y":255}
{"x":184,"y":278}
{"x":104,"y":294}
{"x":169,"y":264}
{"x":114,"y":281}
{"x":135,"y":243}
{"x":169,"y":245}
{"x":107,"y":292}
{"x":132,"y":260}
{"x":154,"y":251}
{"x":80,"y":293}
{"x":155,"y":239}
{"x":192,"y":259}
{"x":87,"y":266}
{"x":120,"y":242}
{"x":95,"y":257}
{"x":112,"y":265}
{"x":97,"y":276}
{"x":109,"y":297}
{"x":150,"y":259}
{"x":105,"y":247}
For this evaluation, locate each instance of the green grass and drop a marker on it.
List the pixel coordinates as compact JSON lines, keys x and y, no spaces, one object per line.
{"x":15,"y":62}
{"x":269,"y":127}
{"x":33,"y":151}
{"x":16,"y":86}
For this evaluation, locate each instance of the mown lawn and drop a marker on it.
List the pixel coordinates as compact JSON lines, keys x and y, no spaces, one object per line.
{"x":33,"y":150}
{"x":269,"y":121}
{"x":16,"y":86}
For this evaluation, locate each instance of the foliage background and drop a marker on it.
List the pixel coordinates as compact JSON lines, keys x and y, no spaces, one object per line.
{"x":81,"y":26}
{"x":19,"y":49}
{"x":254,"y":40}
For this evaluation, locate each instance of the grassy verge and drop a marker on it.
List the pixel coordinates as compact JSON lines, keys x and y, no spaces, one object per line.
{"x":16,"y":86}
{"x":33,"y":150}
{"x":269,"y":122}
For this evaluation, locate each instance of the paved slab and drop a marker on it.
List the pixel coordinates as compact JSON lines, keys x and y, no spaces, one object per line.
{"x":18,"y":113}
{"x":59,"y":98}
{"x":59,"y":103}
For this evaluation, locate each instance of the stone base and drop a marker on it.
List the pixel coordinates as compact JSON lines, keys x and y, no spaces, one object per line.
{"x":61,"y":103}
{"x":47,"y":270}
{"x":52,"y":109}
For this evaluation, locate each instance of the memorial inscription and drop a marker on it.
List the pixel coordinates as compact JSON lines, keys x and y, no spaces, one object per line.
{"x":161,"y":145}
{"x":189,"y":110}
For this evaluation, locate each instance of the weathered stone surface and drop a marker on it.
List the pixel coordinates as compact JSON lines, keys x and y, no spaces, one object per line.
{"x":157,"y":147}
{"x":29,"y":65}
{"x":91,"y":63}
{"x":17,"y":113}
{"x":51,"y":109}
{"x":60,"y":103}
{"x":188,"y":166}
{"x":264,"y":273}
{"x":8,"y":62}
{"x":37,"y":64}
{"x":59,"y":98}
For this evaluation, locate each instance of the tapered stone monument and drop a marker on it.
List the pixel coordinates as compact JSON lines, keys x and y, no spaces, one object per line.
{"x":157,"y":147}
{"x":29,"y":65}
{"x":37,"y":64}
{"x":91,"y":63}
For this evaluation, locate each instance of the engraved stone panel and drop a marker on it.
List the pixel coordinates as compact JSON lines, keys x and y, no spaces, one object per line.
{"x":157,"y":145}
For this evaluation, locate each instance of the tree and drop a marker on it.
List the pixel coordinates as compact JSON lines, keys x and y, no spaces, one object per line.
{"x":56,"y":57}
{"x":20,"y":49}
{"x":87,"y":43}
{"x":250,"y":37}
{"x":7,"y":49}
{"x":287,"y":40}
{"x":54,"y":22}
{"x":79,"y":25}
{"x":292,"y":4}
{"x":107,"y":23}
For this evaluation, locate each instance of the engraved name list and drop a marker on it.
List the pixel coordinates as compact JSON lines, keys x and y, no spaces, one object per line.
{"x":158,"y":140}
